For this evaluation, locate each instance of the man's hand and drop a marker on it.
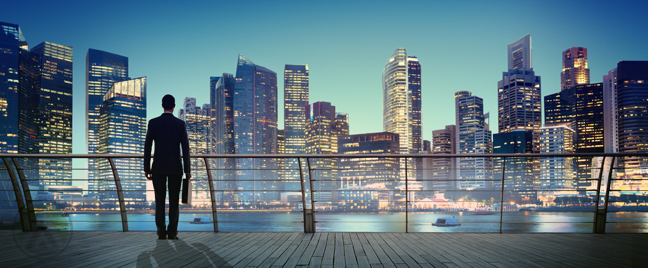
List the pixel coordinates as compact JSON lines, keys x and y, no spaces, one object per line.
{"x":188,"y":175}
{"x":148,"y":176}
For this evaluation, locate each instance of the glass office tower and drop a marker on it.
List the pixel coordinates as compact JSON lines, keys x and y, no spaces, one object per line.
{"x":401,"y":83}
{"x":472,"y":137}
{"x":574,"y":70}
{"x":255,"y":130}
{"x":55,"y":113}
{"x":295,"y":109}
{"x":12,"y":42}
{"x":122,"y":130}
{"x":221,"y":98}
{"x":632,"y":98}
{"x":197,"y":122}
{"x":103,"y":69}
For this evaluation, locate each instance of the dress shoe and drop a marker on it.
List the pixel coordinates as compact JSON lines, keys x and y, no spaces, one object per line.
{"x":173,"y":237}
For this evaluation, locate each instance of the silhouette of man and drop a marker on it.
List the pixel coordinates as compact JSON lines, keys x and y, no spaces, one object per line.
{"x":169,"y":134}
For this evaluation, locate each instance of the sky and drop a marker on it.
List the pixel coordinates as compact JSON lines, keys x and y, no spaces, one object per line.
{"x":461,"y":45}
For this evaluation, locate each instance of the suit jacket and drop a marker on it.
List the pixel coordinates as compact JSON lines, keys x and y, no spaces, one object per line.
{"x":169,"y":134}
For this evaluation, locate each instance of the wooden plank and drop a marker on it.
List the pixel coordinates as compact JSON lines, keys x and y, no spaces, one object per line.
{"x":405,"y":256}
{"x":249,"y":257}
{"x":349,"y":256}
{"x":387,"y":249}
{"x":338,"y":258}
{"x":368,"y":250}
{"x":315,"y":262}
{"x":308,"y":253}
{"x":292,"y":261}
{"x":270,"y":250}
{"x":327,"y":259}
{"x":321,"y":245}
{"x":384,"y":259}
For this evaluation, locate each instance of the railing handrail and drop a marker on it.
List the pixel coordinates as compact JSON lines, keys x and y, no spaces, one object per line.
{"x":327,"y":155}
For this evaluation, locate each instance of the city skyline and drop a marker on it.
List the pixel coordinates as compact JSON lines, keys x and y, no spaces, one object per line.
{"x":368,"y":47}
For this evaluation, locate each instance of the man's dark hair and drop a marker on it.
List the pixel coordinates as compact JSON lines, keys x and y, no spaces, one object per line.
{"x":168,"y":102}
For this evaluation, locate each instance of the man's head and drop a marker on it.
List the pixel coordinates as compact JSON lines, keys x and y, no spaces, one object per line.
{"x":168,"y":102}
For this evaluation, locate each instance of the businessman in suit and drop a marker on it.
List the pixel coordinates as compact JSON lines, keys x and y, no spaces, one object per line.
{"x":169,"y":134}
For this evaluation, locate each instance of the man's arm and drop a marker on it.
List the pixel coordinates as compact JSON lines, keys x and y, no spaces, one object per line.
{"x":184,"y":141}
{"x":148,"y":143}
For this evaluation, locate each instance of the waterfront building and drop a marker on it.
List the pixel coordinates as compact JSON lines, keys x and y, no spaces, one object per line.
{"x":442,"y":169}
{"x":197,"y":121}
{"x":362,"y":197}
{"x":221,"y":99}
{"x":296,"y":85}
{"x":12,"y":43}
{"x":255,"y":130}
{"x":472,"y":136}
{"x":54,"y":113}
{"x":19,"y":98}
{"x":610,"y":112}
{"x":122,"y":130}
{"x":574,"y":68}
{"x":520,"y":178}
{"x":322,"y":130}
{"x":632,"y":98}
{"x":519,"y":101}
{"x":556,"y":173}
{"x":362,"y":171}
{"x":401,"y":82}
{"x":519,"y":54}
{"x":103,"y":69}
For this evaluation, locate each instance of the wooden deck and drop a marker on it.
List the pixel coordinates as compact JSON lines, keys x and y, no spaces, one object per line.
{"x":206,"y":249}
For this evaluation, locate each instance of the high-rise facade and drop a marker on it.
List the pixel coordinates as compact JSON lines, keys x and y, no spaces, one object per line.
{"x":520,"y":54}
{"x":255,"y":130}
{"x":12,"y":43}
{"x":520,"y":181}
{"x":443,"y":169}
{"x":519,"y":101}
{"x":296,"y":83}
{"x":55,"y":113}
{"x":610,"y":112}
{"x":103,"y":69}
{"x":556,"y":173}
{"x":221,"y":96}
{"x":323,"y":126}
{"x":197,"y":122}
{"x":401,"y":83}
{"x":574,"y":68}
{"x":472,"y":137}
{"x":369,"y":170}
{"x":122,"y":130}
{"x":632,"y":120}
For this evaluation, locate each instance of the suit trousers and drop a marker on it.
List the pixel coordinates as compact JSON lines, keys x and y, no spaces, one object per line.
{"x":160,"y":187}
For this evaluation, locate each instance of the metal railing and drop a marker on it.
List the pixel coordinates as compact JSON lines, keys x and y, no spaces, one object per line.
{"x":313,"y":177}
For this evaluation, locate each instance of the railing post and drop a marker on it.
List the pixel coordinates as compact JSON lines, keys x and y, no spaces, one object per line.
{"x":406,"y":199}
{"x":33,"y":225}
{"x":502,"y":194}
{"x":303,"y":192}
{"x":22,"y":210}
{"x":120,"y":195}
{"x":602,"y":215}
{"x":312,"y":191}
{"x":598,"y":197}
{"x":211,"y":195}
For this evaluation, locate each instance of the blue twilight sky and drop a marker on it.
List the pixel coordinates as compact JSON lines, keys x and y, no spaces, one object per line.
{"x":461,"y":45}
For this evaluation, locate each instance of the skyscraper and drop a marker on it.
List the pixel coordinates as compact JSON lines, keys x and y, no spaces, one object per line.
{"x":197,"y":122}
{"x":401,"y":82}
{"x":574,"y":69}
{"x":122,"y":130}
{"x":519,"y":101}
{"x":103,"y":69}
{"x":443,"y":169}
{"x":12,"y":42}
{"x":519,"y":54}
{"x":322,"y":131}
{"x":632,"y":98}
{"x":55,"y":113}
{"x":295,"y":105}
{"x":221,"y":96}
{"x":255,"y":129}
{"x":610,"y":112}
{"x":369,"y":170}
{"x":472,"y":137}
{"x":556,"y":173}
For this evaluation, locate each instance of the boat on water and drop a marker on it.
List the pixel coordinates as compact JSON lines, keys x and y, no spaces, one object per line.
{"x":483,"y":212}
{"x":200,"y":221}
{"x":446,"y":222}
{"x":65,"y":214}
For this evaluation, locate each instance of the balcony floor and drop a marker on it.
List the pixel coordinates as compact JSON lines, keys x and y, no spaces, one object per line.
{"x":206,"y":249}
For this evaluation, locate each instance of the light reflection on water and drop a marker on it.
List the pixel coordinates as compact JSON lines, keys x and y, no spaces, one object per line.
{"x":525,"y":222}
